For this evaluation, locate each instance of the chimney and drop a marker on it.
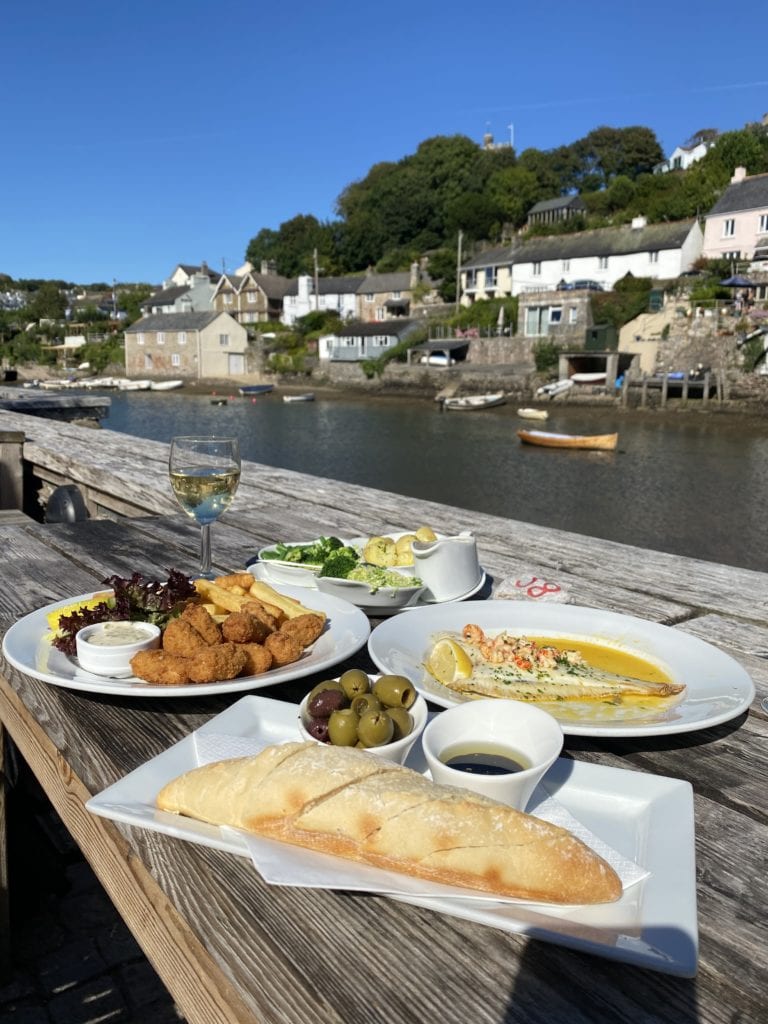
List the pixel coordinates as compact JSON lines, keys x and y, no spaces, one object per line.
{"x":415,"y":275}
{"x":639,"y":222}
{"x":739,"y":175}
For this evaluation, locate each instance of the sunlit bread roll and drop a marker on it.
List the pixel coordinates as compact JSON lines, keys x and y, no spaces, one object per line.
{"x":358,"y":806}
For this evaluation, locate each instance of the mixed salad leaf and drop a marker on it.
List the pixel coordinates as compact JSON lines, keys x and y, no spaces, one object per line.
{"x":311,"y":555}
{"x":134,"y":599}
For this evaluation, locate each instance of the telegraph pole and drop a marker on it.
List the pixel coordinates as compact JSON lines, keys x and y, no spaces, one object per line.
{"x":317,"y":281}
{"x":458,"y":270}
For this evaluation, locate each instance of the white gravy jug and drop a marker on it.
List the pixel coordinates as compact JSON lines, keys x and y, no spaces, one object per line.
{"x":449,"y":566}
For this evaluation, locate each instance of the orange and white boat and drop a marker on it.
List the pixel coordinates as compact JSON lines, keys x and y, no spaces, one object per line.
{"x":602,"y":442}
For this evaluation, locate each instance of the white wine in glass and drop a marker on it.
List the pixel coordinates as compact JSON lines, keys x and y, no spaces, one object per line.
{"x":204,"y":472}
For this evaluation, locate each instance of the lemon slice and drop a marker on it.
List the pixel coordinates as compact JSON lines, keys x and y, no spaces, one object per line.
{"x":448,"y":661}
{"x":76,"y":606}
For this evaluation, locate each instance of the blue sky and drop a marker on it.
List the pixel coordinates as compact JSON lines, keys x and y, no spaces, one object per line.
{"x":139,"y":136}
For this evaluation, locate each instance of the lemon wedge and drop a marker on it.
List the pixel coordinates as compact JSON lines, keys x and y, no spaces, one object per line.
{"x":76,"y":606}
{"x":449,"y":661}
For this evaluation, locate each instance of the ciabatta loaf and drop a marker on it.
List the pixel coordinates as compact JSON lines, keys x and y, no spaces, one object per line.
{"x":355,"y":805}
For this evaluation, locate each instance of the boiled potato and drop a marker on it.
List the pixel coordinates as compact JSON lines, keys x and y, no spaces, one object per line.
{"x":380,"y":551}
{"x":426,"y":533}
{"x":403,"y":549}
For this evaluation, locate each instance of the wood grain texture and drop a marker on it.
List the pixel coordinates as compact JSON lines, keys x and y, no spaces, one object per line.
{"x":241,"y":950}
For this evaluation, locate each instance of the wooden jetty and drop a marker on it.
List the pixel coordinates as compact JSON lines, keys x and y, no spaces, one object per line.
{"x":62,"y":407}
{"x":233,"y":949}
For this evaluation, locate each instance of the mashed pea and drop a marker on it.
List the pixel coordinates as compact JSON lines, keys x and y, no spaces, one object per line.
{"x":377,"y":578}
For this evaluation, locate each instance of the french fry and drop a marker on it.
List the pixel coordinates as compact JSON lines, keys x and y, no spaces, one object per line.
{"x":267,"y":596}
{"x":212,"y":593}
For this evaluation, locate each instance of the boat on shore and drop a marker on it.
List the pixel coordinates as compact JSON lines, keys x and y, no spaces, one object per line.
{"x":545,"y":439}
{"x":588,"y":378}
{"x":125,"y":384}
{"x":256,"y":389}
{"x":308,"y":396}
{"x":469,"y":403}
{"x":533,"y":414}
{"x":166,"y":385}
{"x":555,"y":387}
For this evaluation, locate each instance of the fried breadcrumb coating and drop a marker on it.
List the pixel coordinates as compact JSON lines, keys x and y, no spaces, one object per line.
{"x":161,"y":668}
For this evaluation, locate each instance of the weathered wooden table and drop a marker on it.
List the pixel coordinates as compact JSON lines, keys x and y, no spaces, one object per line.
{"x":231,"y":949}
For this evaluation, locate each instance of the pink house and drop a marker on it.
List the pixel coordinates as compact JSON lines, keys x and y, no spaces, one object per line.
{"x":736,"y":228}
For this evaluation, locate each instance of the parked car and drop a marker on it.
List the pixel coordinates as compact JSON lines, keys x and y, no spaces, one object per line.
{"x":437,"y":359}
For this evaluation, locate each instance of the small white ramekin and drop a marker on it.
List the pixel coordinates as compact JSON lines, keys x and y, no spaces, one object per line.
{"x":114,"y":660}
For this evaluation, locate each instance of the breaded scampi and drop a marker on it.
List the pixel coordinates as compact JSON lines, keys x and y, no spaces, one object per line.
{"x":283,"y":648}
{"x":181,"y":638}
{"x":243,"y":628}
{"x":304,"y":629}
{"x":239,"y":582}
{"x":257,"y":659}
{"x":161,"y":668}
{"x":257,"y":609}
{"x":202,"y":620}
{"x":212,"y":664}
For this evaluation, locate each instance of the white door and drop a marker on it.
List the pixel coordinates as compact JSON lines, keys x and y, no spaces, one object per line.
{"x":236,"y":365}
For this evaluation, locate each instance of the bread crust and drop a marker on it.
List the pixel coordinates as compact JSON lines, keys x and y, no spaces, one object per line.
{"x":358,"y":806}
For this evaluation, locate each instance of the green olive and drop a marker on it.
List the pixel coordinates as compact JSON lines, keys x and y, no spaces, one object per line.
{"x":375,"y":728}
{"x":365,"y":702}
{"x":342,"y":728}
{"x":402,"y":720}
{"x":327,"y":684}
{"x":395,"y":691}
{"x":354,"y":682}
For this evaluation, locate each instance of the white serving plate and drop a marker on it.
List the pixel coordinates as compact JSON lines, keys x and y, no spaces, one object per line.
{"x":27,"y":648}
{"x":382,"y":607}
{"x":646,"y":818}
{"x":717,"y":687}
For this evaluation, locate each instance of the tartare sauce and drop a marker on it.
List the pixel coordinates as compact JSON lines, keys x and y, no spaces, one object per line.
{"x":117,"y":634}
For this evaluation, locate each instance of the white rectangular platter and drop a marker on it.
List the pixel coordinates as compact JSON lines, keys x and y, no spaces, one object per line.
{"x":647,"y":818}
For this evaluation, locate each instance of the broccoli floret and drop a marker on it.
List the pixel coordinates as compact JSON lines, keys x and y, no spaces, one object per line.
{"x":340,"y":563}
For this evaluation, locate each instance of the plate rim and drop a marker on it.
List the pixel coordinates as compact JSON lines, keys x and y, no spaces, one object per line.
{"x":659,"y":789}
{"x":355,"y":632}
{"x":609,"y":730}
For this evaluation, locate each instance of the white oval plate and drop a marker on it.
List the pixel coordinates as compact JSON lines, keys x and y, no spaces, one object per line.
{"x":27,"y":648}
{"x":717,"y":687}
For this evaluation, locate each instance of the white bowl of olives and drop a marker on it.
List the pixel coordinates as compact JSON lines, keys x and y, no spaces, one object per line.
{"x":383,"y":714}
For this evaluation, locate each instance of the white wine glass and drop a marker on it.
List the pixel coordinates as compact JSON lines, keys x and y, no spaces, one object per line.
{"x":204,"y":472}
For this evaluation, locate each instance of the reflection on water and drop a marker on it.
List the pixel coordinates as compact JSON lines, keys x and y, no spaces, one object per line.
{"x":693,"y":484}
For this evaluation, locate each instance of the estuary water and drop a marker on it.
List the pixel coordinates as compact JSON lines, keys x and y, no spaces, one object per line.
{"x":689,"y":483}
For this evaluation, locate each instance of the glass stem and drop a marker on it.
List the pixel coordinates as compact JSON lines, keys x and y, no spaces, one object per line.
{"x":205,"y":549}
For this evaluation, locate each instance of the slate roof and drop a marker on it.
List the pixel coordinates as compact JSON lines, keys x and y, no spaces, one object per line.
{"x":331,"y":285}
{"x":173,"y":322}
{"x":165,"y":297}
{"x":367,"y":328}
{"x":273,"y":286}
{"x":603,"y":242}
{"x":750,"y":194}
{"x":490,"y":258}
{"x":559,"y":203}
{"x":188,"y":268}
{"x":399,"y":281}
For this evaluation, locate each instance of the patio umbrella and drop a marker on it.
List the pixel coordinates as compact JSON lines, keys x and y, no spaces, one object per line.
{"x":737,"y":281}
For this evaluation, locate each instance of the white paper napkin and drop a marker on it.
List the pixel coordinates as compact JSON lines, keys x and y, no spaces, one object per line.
{"x":282,"y":864}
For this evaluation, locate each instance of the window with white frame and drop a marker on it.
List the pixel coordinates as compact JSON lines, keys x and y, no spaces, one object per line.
{"x":175,"y":359}
{"x":140,"y":339}
{"x":369,"y":297}
{"x":555,"y":314}
{"x":566,"y":265}
{"x":251,"y":297}
{"x":729,"y":227}
{"x":653,"y":257}
{"x":395,"y":295}
{"x":734,"y":254}
{"x":147,"y":360}
{"x":602,"y":262}
{"x":573,"y":314}
{"x":537,"y":269}
{"x":227,"y":298}
{"x":763,"y":225}
{"x":471,"y":278}
{"x":161,"y":337}
{"x":380,"y":314}
{"x":224,"y":340}
{"x":182,"y":337}
{"x":491,"y":277}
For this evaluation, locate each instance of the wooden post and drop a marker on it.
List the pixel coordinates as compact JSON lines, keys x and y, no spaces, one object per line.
{"x":664,"y":390}
{"x":685,"y":388}
{"x":11,"y":469}
{"x":705,"y":391}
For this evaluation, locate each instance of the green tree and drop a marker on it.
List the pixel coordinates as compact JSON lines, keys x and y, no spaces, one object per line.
{"x":48,"y":302}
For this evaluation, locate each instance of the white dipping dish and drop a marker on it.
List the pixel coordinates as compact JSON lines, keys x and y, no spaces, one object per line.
{"x":506,"y":725}
{"x":113,"y":659}
{"x":396,"y":751}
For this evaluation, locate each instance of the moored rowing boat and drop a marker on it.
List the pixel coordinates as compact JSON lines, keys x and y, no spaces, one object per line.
{"x":533,"y":414}
{"x":602,"y":442}
{"x":472,"y":402}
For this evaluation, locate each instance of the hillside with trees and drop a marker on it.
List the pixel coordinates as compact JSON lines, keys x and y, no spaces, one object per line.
{"x":416,"y":206}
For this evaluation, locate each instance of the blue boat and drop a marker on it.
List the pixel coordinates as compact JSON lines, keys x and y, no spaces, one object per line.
{"x":256,"y":389}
